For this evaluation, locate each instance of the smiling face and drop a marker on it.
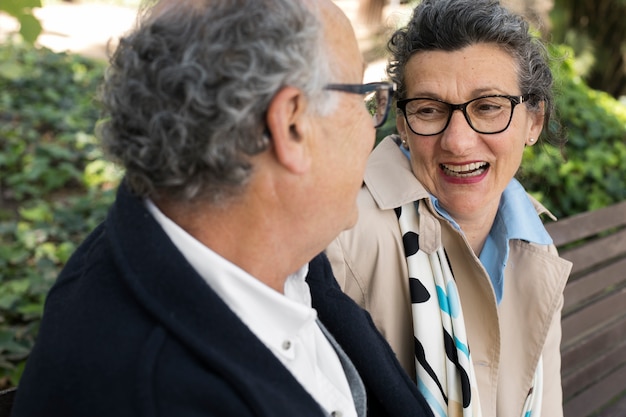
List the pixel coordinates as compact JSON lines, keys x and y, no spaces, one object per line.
{"x":467,"y":171}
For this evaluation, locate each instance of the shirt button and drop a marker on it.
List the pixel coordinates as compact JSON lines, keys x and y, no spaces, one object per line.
{"x":287,"y":345}
{"x":336,"y":414}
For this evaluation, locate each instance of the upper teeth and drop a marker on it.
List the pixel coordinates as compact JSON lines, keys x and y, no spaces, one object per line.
{"x":466,"y":168}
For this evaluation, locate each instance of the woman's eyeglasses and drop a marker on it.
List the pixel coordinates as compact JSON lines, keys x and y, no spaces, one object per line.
{"x":487,"y":114}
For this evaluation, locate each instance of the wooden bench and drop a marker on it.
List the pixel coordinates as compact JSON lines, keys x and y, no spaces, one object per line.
{"x":594,"y":314}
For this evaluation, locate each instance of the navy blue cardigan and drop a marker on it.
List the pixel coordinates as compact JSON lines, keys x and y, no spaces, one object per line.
{"x":130,"y":329}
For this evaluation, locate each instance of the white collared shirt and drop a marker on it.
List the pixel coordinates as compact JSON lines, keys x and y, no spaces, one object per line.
{"x":284,"y":323}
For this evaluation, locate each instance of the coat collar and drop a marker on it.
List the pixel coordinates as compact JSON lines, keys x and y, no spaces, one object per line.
{"x":389,"y":177}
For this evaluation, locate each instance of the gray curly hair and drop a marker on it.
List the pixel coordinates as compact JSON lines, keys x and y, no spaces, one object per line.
{"x":450,"y":25}
{"x":186,"y":92}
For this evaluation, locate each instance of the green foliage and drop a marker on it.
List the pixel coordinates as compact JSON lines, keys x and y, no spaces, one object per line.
{"x":54,"y":188}
{"x":592,"y":175}
{"x":22,"y":10}
{"x":595,"y":30}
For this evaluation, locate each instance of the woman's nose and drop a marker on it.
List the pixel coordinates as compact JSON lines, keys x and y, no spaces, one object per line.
{"x":459,"y":135}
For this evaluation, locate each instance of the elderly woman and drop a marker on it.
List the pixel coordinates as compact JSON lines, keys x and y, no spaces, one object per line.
{"x":450,"y":255}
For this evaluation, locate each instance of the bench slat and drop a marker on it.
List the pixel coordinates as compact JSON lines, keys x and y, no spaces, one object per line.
{"x":596,"y":252}
{"x":594,"y":370}
{"x":611,"y":335}
{"x":575,"y":326}
{"x":593,"y":398}
{"x":587,"y":224}
{"x":593,"y":284}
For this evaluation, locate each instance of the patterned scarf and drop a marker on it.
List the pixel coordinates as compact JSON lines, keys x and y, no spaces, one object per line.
{"x":445,"y":373}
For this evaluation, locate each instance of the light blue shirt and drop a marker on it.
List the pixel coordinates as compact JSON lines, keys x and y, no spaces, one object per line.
{"x":516,"y":219}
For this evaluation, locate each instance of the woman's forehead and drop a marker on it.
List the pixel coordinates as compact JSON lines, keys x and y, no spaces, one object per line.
{"x":471,"y":71}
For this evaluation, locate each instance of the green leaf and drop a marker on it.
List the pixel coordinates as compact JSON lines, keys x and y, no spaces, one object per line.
{"x":7,"y":301}
{"x":11,"y":70}
{"x":30,"y":28}
{"x":65,"y":250}
{"x":38,"y":213}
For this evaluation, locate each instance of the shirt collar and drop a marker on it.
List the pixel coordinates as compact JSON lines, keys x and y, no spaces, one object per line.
{"x":516,"y":219}
{"x":271,"y":316}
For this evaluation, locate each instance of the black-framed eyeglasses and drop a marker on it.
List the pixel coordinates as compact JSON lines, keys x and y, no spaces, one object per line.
{"x":486,"y":115}
{"x":377,"y":97}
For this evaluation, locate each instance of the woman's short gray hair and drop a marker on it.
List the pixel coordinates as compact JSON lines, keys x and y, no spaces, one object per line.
{"x":450,"y":25}
{"x":186,"y":93}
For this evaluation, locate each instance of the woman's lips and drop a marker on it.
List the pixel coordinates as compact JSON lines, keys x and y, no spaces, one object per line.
{"x":472,"y":169}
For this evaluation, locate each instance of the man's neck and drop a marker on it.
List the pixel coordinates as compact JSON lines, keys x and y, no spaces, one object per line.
{"x":259,"y":244}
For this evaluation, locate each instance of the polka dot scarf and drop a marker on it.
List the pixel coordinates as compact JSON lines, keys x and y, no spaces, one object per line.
{"x":445,"y":373}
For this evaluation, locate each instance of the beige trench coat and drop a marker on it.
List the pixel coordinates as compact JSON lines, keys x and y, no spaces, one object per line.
{"x":506,"y":340}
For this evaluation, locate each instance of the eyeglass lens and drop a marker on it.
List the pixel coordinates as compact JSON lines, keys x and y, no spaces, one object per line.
{"x":484,"y":114}
{"x":377,"y":103}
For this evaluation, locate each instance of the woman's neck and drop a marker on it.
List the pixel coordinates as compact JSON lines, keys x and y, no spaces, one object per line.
{"x":476,"y":227}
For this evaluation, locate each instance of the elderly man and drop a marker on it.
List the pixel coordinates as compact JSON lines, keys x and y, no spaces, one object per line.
{"x":243,"y":133}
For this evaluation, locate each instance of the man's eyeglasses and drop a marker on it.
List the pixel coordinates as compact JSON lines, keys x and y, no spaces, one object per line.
{"x":377,"y":97}
{"x":487,"y":115}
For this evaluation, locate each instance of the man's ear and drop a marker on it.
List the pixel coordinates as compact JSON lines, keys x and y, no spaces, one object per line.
{"x":286,"y":123}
